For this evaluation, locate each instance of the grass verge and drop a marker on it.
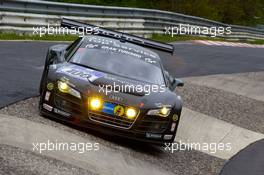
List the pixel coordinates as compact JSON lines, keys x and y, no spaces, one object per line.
{"x":14,"y":36}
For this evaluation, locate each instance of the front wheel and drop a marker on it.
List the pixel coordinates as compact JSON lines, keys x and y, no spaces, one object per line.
{"x":41,"y":103}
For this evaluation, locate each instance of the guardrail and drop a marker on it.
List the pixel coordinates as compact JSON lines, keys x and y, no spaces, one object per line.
{"x":21,"y":16}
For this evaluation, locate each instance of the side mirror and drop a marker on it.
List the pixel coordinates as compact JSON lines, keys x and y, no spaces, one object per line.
{"x":177,"y":82}
{"x":52,"y":57}
{"x":56,"y":54}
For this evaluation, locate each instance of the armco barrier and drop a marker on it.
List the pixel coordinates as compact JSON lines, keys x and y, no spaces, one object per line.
{"x":21,"y":16}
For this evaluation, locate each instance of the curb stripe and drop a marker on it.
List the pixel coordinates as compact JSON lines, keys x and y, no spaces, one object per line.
{"x":22,"y":133}
{"x":223,"y":43}
{"x":196,"y":127}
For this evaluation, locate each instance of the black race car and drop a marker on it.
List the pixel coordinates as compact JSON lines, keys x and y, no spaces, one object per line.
{"x":111,"y":82}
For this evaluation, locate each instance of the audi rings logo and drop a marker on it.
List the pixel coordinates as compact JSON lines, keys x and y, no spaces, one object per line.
{"x":116,"y":98}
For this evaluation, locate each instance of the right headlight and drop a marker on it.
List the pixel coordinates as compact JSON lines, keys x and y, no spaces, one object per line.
{"x":96,"y":104}
{"x":163,"y":112}
{"x":65,"y":88}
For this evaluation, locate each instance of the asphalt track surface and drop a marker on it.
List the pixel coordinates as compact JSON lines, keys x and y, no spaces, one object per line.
{"x":197,"y":60}
{"x":249,"y":161}
{"x":22,"y":64}
{"x":20,"y":69}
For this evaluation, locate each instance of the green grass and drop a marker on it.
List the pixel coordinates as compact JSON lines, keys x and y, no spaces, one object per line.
{"x":257,"y":42}
{"x":162,"y":38}
{"x":14,"y":36}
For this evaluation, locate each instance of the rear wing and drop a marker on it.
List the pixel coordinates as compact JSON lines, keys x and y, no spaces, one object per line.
{"x":119,"y":35}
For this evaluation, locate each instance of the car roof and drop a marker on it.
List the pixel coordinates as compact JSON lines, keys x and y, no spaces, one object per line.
{"x":120,"y":45}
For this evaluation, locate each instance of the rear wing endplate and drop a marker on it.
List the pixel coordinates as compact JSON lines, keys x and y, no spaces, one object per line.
{"x":119,"y":35}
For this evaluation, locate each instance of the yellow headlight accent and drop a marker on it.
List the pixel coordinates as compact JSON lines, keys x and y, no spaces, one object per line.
{"x":164,"y":111}
{"x":63,"y":87}
{"x":175,"y":117}
{"x":131,"y":113}
{"x":96,"y":103}
{"x":50,"y":86}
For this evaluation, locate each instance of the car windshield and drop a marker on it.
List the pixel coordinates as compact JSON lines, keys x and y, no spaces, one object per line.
{"x":117,"y":63}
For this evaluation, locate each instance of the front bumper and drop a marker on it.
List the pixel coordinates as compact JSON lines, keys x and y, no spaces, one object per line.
{"x":144,"y":128}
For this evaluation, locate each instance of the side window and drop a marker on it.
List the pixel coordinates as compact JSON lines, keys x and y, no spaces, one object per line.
{"x":71,"y":47}
{"x":168,"y":78}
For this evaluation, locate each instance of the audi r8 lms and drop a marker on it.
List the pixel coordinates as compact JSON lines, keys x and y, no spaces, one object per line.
{"x":114,"y":83}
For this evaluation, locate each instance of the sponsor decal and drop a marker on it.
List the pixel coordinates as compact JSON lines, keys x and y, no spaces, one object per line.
{"x":80,"y":72}
{"x":47,"y":107}
{"x":112,"y":45}
{"x":149,"y":60}
{"x":119,"y":110}
{"x":61,"y":112}
{"x":47,"y":96}
{"x":108,"y":108}
{"x":91,"y":46}
{"x":155,"y":136}
{"x":173,"y":126}
{"x":167,"y":137}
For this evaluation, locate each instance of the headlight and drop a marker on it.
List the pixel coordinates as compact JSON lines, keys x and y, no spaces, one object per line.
{"x":163,"y":112}
{"x":96,"y":103}
{"x":65,"y":88}
{"x":131,"y":113}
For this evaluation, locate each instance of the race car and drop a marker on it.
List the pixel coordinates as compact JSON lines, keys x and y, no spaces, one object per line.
{"x":114,"y":83}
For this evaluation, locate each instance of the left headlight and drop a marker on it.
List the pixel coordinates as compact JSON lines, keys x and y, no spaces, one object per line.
{"x":65,"y":88}
{"x":163,"y":112}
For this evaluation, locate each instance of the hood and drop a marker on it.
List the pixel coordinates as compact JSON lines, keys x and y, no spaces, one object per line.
{"x":130,"y":91}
